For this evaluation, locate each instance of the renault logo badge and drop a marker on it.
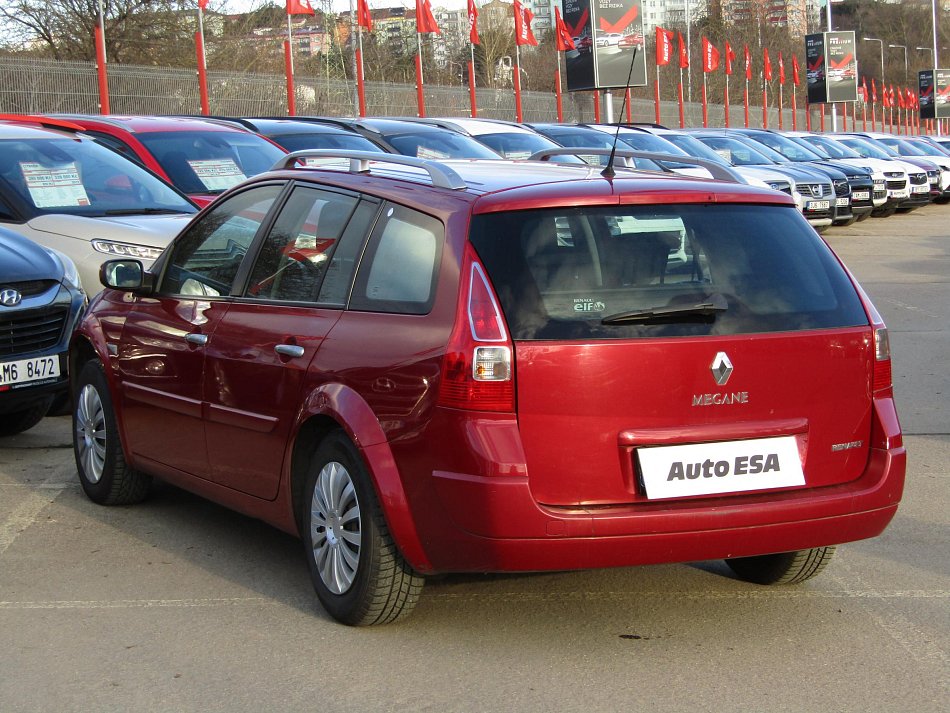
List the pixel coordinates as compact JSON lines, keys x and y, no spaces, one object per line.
{"x":10,"y":297}
{"x":721,"y":368}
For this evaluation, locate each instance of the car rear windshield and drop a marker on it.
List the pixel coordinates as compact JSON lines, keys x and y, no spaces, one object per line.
{"x":679,"y":270}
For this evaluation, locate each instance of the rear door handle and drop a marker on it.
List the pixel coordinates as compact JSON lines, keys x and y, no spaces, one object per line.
{"x":196,"y":338}
{"x":289,"y":350}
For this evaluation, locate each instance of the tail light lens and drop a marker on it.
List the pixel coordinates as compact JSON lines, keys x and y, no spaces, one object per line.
{"x":882,"y":376}
{"x":477,"y":371}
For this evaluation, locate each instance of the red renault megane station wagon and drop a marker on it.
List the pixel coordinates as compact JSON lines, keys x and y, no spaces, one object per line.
{"x":423,"y":366}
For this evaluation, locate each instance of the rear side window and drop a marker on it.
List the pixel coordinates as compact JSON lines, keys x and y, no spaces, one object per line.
{"x":398,"y":272}
{"x":599,"y":272}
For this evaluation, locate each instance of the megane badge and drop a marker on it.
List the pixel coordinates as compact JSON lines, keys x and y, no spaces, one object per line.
{"x":721,"y":368}
{"x":10,"y":297}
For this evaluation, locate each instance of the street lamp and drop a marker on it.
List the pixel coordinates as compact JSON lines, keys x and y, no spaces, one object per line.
{"x":903,"y":47}
{"x":880,"y":42}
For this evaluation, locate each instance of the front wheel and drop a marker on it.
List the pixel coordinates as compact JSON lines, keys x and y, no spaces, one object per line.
{"x":358,"y":573}
{"x":782,"y":568}
{"x":103,"y":473}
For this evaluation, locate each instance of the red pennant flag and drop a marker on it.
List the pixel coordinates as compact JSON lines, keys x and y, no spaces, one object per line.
{"x":873,"y":91}
{"x":710,"y":56}
{"x":562,"y":38}
{"x":781,"y":69}
{"x":425,"y":20}
{"x":748,"y":63}
{"x":730,"y":58}
{"x":864,"y":89}
{"x":299,"y":7}
{"x":684,"y":57}
{"x":766,"y":64}
{"x":473,"y":22}
{"x":523,"y":18}
{"x":796,"y":79}
{"x":363,"y":16}
{"x":202,"y":4}
{"x":900,"y":100}
{"x":664,"y":47}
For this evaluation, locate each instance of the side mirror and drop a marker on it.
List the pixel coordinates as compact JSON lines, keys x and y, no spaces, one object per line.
{"x":127,"y":275}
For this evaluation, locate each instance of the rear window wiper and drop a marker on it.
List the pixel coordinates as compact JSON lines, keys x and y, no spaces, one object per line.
{"x":714,"y":303}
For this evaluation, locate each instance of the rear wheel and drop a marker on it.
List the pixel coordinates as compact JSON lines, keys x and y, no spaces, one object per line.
{"x":358,"y":573}
{"x":23,"y":420}
{"x":782,"y":568}
{"x":103,"y":473}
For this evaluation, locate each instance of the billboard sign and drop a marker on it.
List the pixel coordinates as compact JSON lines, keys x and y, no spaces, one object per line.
{"x":942,"y":93}
{"x":841,"y":75}
{"x":815,"y":68}
{"x":831,"y":67}
{"x":607,"y":34}
{"x":925,"y":94}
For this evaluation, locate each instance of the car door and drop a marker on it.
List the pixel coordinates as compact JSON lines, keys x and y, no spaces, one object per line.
{"x":258,"y":357}
{"x":161,"y":353}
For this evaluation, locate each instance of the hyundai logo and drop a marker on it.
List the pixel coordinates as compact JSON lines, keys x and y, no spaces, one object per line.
{"x":10,"y":297}
{"x":721,"y":368}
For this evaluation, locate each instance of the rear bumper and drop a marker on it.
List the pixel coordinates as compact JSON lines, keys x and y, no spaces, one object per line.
{"x":493,"y":523}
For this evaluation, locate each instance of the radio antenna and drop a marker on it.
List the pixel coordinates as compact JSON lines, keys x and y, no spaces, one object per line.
{"x":608,"y":171}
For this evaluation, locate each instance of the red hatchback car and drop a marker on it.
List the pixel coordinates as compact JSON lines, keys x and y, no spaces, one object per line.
{"x":200,"y":158}
{"x":423,"y":367}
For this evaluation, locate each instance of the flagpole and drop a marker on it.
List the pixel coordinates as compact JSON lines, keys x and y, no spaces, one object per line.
{"x":202,"y":65}
{"x":471,"y":78}
{"x":656,"y":95}
{"x":420,"y":96}
{"x":705,"y":107}
{"x":794,"y":107}
{"x":518,"y":116}
{"x":289,"y":70}
{"x":726,"y":98}
{"x":746,"y":101}
{"x":360,"y":78}
{"x":780,"y":104}
{"x":100,"y":40}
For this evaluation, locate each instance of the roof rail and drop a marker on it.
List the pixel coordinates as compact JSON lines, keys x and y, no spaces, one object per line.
{"x":441,"y":175}
{"x":44,"y":121}
{"x":718,"y":171}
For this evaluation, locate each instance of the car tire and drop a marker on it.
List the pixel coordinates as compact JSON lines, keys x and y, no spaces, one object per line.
{"x":18,"y":421}
{"x":358,"y":573}
{"x":782,"y":568}
{"x":864,"y":216}
{"x":104,"y":474}
{"x":884,"y":212}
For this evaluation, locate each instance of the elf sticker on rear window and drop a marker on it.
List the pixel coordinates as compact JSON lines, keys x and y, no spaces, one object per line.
{"x":588,"y":305}
{"x":217,"y":174}
{"x":726,"y":467}
{"x":54,"y":186}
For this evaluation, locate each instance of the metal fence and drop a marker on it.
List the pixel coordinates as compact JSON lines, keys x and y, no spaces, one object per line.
{"x":45,"y":87}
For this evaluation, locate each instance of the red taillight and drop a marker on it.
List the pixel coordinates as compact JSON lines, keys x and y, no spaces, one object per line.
{"x":882,"y":377}
{"x":477,"y":372}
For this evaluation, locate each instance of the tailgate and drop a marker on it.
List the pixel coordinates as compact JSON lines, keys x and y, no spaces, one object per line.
{"x":584,"y":410}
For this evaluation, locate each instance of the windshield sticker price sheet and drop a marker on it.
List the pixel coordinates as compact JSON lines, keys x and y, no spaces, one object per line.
{"x":217,"y":174}
{"x":54,"y":186}
{"x":721,"y":467}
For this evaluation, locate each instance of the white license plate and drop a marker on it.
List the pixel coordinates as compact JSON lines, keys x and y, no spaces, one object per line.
{"x":921,"y":189}
{"x":900,"y":194}
{"x":818,"y":205}
{"x":722,"y":467}
{"x":860,"y":196}
{"x":27,"y":370}
{"x":842,"y":201}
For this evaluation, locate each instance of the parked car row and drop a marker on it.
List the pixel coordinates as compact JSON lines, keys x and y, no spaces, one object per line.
{"x":420,"y":357}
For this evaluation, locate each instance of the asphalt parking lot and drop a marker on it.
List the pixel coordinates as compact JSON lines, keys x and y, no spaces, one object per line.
{"x":180,"y":605}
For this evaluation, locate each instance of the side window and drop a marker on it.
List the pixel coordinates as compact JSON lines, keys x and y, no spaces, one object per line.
{"x":294,"y":258}
{"x":205,"y":259}
{"x":398,"y":273}
{"x":116,"y":145}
